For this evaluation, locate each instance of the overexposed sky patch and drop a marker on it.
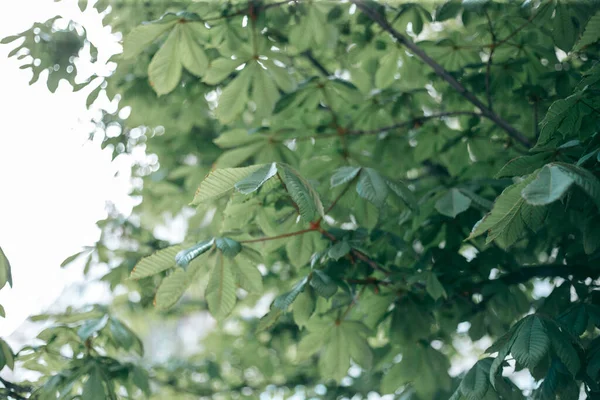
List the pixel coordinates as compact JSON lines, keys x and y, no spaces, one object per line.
{"x":54,"y":183}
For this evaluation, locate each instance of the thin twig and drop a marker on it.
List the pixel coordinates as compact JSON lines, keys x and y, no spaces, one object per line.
{"x":285,"y":235}
{"x":442,"y":73}
{"x":308,"y":54}
{"x":488,"y":68}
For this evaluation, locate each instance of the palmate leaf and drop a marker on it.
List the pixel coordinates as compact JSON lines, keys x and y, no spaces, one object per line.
{"x":510,"y":216}
{"x":532,"y":342}
{"x":245,"y":274}
{"x":171,"y":289}
{"x":302,"y":193}
{"x":475,"y":384}
{"x":285,"y":300}
{"x":372,"y":187}
{"x":142,"y":36}
{"x":304,"y":306}
{"x":343,"y":175}
{"x":155,"y":263}
{"x":524,"y":165}
{"x":220,"y":292}
{"x":164,"y":71}
{"x":193,"y":57}
{"x":234,"y":97}
{"x":221,"y":182}
{"x":255,"y":180}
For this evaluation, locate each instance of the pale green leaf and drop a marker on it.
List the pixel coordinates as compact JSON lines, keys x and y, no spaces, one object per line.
{"x":304,"y":306}
{"x":220,"y":69}
{"x":388,"y":67}
{"x":550,"y":185}
{"x":302,"y":193}
{"x":7,"y":355}
{"x":523,"y":165}
{"x":155,"y":263}
{"x":234,"y":97}
{"x":452,"y":203}
{"x":238,"y":137}
{"x":285,"y":300}
{"x":142,"y":36}
{"x":300,"y":248}
{"x":264,"y":91}
{"x":171,"y":289}
{"x":193,"y":57}
{"x":164,"y":71}
{"x":245,"y":274}
{"x":237,"y":156}
{"x":220,"y":292}
{"x":254,"y":181}
{"x":221,"y":182}
{"x":335,"y":359}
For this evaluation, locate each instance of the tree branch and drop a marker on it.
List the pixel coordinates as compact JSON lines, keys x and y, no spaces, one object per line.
{"x":282,"y":236}
{"x":308,"y":54}
{"x":442,"y":73}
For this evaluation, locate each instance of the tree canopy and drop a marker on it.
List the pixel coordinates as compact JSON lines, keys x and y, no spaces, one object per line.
{"x":393,"y":178}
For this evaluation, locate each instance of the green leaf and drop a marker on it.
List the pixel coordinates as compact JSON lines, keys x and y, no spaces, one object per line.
{"x":164,"y":71}
{"x":285,"y":300}
{"x":388,"y":66}
{"x":434,"y":287}
{"x":229,"y":247}
{"x":475,"y":384}
{"x":358,"y":347}
{"x":72,"y":258}
{"x":155,"y":263}
{"x":234,"y":97}
{"x":591,"y":235}
{"x":268,"y":320}
{"x":220,"y":183}
{"x":5,"y":271}
{"x":92,"y":326}
{"x":550,"y":184}
{"x":524,"y":165}
{"x":6,"y":356}
{"x":121,"y":334}
{"x":591,"y":34}
{"x":310,"y":344}
{"x":300,"y":249}
{"x":184,"y":257}
{"x":192,"y":54}
{"x":335,"y":360}
{"x":532,"y":342}
{"x":220,"y":292}
{"x":93,"y":388}
{"x":404,"y":194}
{"x":504,"y":221}
{"x":171,"y":289}
{"x":220,"y":69}
{"x":264,"y":91}
{"x":562,"y":347}
{"x":142,"y":36}
{"x":556,"y":114}
{"x":343,"y":175}
{"x":452,"y":203}
{"x":372,"y":187}
{"x":255,"y":180}
{"x":238,"y":137}
{"x":582,"y":178}
{"x":237,"y":156}
{"x":2,"y":312}
{"x":304,"y":306}
{"x":302,"y":193}
{"x":324,"y":286}
{"x":565,"y":31}
{"x":449,"y":9}
{"x":140,"y":378}
{"x":245,"y":274}
{"x":339,"y":250}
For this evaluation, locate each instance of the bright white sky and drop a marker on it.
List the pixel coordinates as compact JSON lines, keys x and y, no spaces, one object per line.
{"x":53,"y":182}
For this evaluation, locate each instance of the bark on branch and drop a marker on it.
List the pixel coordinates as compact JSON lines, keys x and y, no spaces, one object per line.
{"x":442,"y":73}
